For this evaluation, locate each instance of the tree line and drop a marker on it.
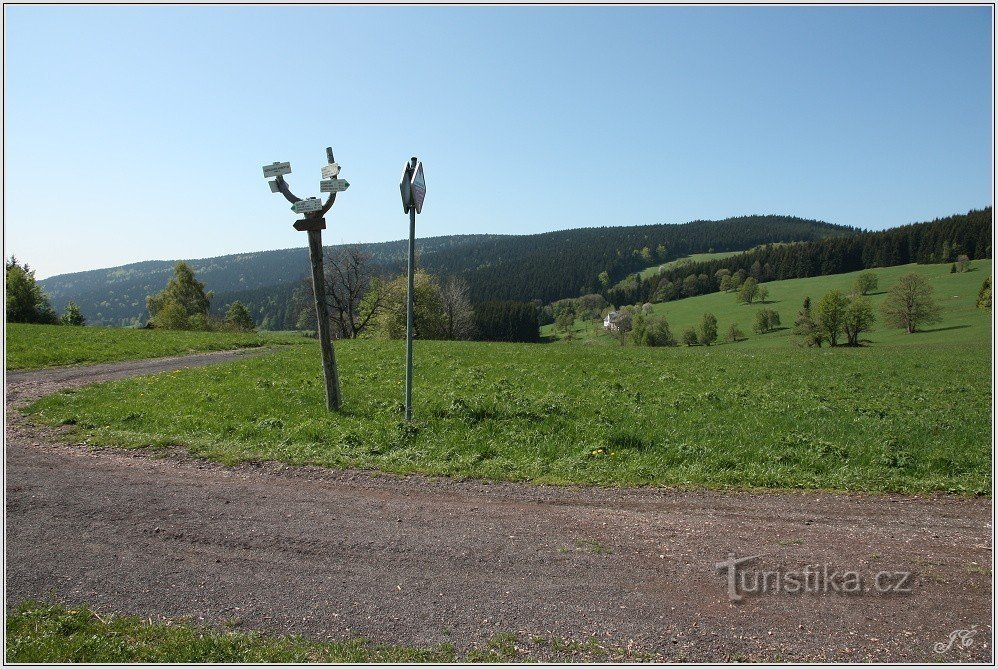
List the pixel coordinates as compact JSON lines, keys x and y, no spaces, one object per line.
{"x":940,"y":241}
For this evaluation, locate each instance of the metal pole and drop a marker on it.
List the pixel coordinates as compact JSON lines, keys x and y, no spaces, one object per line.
{"x":408,"y":312}
{"x":322,"y":317}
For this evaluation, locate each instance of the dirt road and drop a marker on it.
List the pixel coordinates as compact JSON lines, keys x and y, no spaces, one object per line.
{"x":329,"y":554}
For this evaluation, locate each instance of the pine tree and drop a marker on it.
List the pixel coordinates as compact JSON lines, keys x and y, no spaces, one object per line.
{"x":805,"y":327}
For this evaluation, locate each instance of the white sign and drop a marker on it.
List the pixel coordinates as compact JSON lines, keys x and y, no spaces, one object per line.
{"x":333,"y":185}
{"x":418,"y":188}
{"x":330,"y":171}
{"x":276,"y":169}
{"x":273,"y":187}
{"x":307,"y":205}
{"x":404,"y":187}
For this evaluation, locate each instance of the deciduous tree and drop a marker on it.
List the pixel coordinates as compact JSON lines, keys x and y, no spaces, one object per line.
{"x":866,"y":282}
{"x":26,"y":301}
{"x":188,"y":299}
{"x":858,"y":318}
{"x":984,"y":295}
{"x":459,"y":315}
{"x":238,"y":317}
{"x":73,"y":315}
{"x":707,"y":333}
{"x":748,"y":290}
{"x":830,"y":316}
{"x":909,"y":303}
{"x":690,"y":336}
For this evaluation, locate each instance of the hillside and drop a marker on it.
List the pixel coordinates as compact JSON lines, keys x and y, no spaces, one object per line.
{"x":956,"y":293}
{"x":544,"y":266}
{"x":116,"y":295}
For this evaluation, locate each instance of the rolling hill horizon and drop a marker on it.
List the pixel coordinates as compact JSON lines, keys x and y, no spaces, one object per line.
{"x":498,"y":266}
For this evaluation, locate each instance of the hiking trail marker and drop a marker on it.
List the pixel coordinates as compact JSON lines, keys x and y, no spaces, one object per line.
{"x":313,"y":223}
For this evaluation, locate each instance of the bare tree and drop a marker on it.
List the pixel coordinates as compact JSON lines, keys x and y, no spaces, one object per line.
{"x":459,"y":316}
{"x":349,"y":273}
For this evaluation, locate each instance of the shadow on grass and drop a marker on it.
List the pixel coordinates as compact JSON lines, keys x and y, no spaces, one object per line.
{"x":948,"y":327}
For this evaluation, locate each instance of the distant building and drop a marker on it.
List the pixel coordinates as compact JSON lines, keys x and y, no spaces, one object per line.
{"x":610,"y":321}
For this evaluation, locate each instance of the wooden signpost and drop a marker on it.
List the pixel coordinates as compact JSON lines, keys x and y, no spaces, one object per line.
{"x":313,"y":223}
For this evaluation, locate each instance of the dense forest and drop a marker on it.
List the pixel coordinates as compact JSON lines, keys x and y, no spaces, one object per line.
{"x":941,"y":240}
{"x":506,"y":321}
{"x":544,"y":266}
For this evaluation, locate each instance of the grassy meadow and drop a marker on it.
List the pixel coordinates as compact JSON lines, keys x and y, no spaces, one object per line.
{"x":907,"y":413}
{"x":37,"y":346}
{"x":695,"y":257}
{"x":956,"y":293}
{"x":42,"y":633}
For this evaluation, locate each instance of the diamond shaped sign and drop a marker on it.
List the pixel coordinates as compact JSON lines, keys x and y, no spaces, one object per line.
{"x":418,"y":188}
{"x":404,"y":187}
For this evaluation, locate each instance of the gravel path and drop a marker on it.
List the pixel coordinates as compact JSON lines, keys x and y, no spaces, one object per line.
{"x":330,"y":554}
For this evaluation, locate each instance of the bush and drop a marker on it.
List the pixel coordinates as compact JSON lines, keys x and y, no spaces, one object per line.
{"x":648,"y":331}
{"x":734,"y":333}
{"x":708,"y":329}
{"x":766,"y":320}
{"x":690,"y":337}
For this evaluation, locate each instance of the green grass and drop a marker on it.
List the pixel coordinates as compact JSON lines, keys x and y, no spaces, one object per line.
{"x":37,"y":346}
{"x":907,"y":413}
{"x":956,"y":293}
{"x":51,"y":633}
{"x":695,"y":257}
{"x":38,"y":633}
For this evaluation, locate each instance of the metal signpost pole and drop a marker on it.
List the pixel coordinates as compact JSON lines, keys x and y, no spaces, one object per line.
{"x":408,"y":310}
{"x":413,"y":188}
{"x":314,"y":223}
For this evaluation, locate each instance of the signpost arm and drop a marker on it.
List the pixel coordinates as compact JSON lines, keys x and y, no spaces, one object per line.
{"x":282,"y":186}
{"x":408,"y":308}
{"x":332,"y":196}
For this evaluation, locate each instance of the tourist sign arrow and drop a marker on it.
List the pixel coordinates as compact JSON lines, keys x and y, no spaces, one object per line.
{"x":276,"y":169}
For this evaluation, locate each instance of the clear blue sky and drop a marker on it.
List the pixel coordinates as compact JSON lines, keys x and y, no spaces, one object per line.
{"x":136,"y":133}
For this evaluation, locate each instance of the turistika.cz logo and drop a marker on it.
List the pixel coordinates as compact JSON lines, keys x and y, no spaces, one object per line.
{"x":812,"y":579}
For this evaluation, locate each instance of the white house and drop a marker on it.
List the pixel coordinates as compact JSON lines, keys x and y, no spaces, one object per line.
{"x":609,"y":322}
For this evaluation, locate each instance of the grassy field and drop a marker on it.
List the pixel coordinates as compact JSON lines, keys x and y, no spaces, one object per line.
{"x":38,"y":633}
{"x":956,"y":293}
{"x":696,"y":257}
{"x":907,"y":413}
{"x":36,"y":346}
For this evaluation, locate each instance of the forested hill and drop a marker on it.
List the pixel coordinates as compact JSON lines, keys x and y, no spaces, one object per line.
{"x":544,"y":266}
{"x":940,"y":240}
{"x":116,"y":295}
{"x":567,"y":263}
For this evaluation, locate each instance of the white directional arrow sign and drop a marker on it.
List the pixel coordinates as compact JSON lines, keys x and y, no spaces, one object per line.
{"x":330,"y":171}
{"x":276,"y":169}
{"x":418,"y":188}
{"x":307,"y":205}
{"x":333,"y":185}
